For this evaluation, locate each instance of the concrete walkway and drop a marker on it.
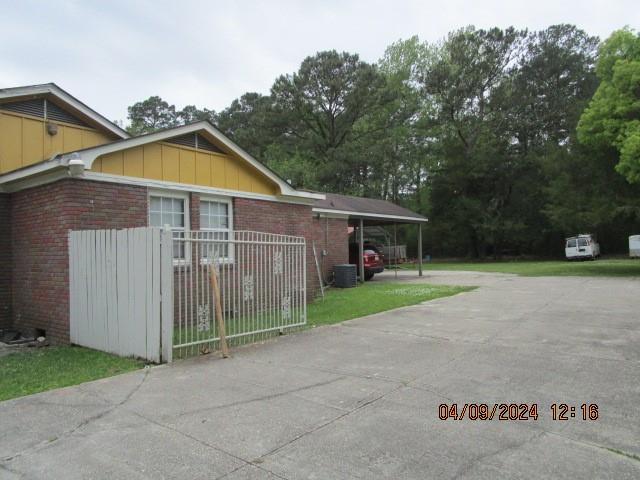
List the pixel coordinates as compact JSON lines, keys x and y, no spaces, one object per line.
{"x":360,"y":399}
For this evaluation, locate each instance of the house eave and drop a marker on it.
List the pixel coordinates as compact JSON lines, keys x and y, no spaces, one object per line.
{"x":57,"y":92}
{"x":372,"y":216}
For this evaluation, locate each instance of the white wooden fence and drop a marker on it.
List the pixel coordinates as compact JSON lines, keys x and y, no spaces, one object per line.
{"x":121,"y":291}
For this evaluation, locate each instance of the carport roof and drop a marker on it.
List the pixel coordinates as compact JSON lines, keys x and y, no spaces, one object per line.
{"x":366,"y":208}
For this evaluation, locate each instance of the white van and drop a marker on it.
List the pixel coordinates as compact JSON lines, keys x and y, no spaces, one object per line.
{"x":582,"y":247}
{"x":634,"y":246}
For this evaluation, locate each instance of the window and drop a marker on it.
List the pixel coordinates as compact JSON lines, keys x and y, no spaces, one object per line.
{"x":171,"y":210}
{"x":583,"y":242}
{"x":216,"y":218}
{"x":571,"y":243}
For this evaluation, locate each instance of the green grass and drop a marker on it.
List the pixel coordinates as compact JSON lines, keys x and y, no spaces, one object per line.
{"x":347,"y":303}
{"x":38,"y":369}
{"x":597,"y":268}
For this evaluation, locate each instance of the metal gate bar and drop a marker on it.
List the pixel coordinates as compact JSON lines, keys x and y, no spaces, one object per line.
{"x":262,"y":282}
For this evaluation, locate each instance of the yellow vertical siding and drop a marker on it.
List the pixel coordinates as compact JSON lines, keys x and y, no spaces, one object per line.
{"x":134,"y":162}
{"x":153,"y":161}
{"x":218,"y":171}
{"x":203,"y":169}
{"x":113,"y":163}
{"x":24,"y":140}
{"x":171,"y":163}
{"x":32,"y":139}
{"x":10,"y":143}
{"x":170,"y":160}
{"x":187,"y":166}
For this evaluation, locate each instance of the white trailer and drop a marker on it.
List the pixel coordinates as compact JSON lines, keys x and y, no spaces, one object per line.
{"x":634,"y":246}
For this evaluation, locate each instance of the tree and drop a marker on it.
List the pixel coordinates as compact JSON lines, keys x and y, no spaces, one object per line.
{"x":613,"y":115}
{"x":150,"y":115}
{"x":191,"y":114}
{"x":318,"y":108}
{"x":553,"y":83}
{"x":474,"y":192}
{"x":249,"y":122}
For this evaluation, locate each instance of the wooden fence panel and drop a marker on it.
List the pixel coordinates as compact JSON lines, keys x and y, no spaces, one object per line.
{"x":117,"y":280}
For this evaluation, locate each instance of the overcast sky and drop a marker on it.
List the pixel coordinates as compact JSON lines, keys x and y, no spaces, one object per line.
{"x":113,"y":53}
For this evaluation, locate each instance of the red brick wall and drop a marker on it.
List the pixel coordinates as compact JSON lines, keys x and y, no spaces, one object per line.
{"x":5,"y":261}
{"x":330,"y":235}
{"x":42,"y":216}
{"x":282,"y":218}
{"x":41,"y":219}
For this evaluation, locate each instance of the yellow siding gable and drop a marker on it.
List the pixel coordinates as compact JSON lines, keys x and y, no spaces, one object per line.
{"x":172,"y":163}
{"x":24,"y":140}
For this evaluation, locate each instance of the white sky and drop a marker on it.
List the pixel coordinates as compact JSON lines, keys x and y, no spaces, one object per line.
{"x":112,"y":53}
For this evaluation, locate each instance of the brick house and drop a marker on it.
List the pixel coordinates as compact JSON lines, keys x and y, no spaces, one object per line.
{"x":64,"y":167}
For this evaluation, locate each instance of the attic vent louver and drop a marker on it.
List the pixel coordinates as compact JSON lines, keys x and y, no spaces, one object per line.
{"x":204,"y":144}
{"x":188,"y":140}
{"x":42,"y":108}
{"x":195,"y":140}
{"x":34,"y":107}
{"x":57,"y":114}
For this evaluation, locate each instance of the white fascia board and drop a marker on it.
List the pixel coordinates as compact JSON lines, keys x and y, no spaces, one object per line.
{"x":88,"y":156}
{"x":341,"y":216}
{"x":63,"y":96}
{"x":32,"y":170}
{"x":372,"y":216}
{"x":49,"y":176}
{"x":183,"y":187}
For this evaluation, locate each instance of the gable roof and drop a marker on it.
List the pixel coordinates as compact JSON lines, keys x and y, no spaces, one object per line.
{"x":88,"y":155}
{"x":69,"y":101}
{"x":372,"y":208}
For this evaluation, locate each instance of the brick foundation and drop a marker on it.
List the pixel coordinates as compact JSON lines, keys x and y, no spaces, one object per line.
{"x":5,"y":261}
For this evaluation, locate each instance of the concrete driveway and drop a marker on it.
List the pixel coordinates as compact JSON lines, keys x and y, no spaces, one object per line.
{"x":360,"y":399}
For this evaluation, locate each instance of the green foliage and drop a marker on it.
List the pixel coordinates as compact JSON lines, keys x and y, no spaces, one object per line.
{"x":613,"y":116}
{"x":37,"y":370}
{"x":249,"y":122}
{"x":477,"y":132}
{"x":155,"y":114}
{"x":150,"y":115}
{"x":322,"y":110}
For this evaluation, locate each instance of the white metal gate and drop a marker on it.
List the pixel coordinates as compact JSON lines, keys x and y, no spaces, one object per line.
{"x":261,"y":283}
{"x":117,"y":280}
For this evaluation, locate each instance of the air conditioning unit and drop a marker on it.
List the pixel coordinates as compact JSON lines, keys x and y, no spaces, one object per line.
{"x":345,"y":275}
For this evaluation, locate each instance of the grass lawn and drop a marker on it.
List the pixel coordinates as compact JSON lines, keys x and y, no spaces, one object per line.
{"x":35,"y":370}
{"x":342,"y":304}
{"x":597,"y":268}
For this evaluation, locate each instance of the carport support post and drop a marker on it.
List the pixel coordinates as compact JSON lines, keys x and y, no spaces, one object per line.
{"x":361,"y":249}
{"x":419,"y":249}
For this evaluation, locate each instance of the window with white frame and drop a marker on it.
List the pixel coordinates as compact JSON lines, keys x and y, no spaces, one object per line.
{"x":170,"y":209}
{"x":216,"y":218}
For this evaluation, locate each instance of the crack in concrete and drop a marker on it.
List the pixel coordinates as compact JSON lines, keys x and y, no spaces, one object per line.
{"x":208,"y":445}
{"x":469,"y":465}
{"x":258,"y":399}
{"x":616,"y":451}
{"x":343,"y":373}
{"x":83,"y":423}
{"x":330,"y":422}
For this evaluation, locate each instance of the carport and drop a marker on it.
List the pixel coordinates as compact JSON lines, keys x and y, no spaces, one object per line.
{"x":369,"y":212}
